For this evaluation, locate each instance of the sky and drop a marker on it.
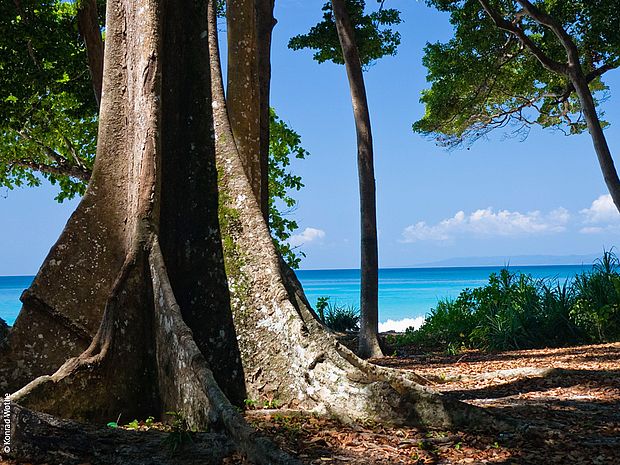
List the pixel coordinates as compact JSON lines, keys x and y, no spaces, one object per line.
{"x":503,"y":197}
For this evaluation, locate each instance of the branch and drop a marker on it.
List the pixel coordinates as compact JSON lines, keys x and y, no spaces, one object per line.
{"x":546,"y":20}
{"x":505,"y":25}
{"x":63,"y":166}
{"x":591,"y":76}
{"x":600,"y":71}
{"x":88,"y":25}
{"x":83,"y":174}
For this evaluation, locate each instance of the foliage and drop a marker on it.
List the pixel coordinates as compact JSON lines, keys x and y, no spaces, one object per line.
{"x":485,"y":79}
{"x":597,"y":301}
{"x":321,"y":305}
{"x":180,"y":434}
{"x":284,"y":143}
{"x":515,"y":311}
{"x":49,"y":113}
{"x":374,"y":37}
{"x":251,"y":404}
{"x":338,"y":317}
{"x":47,"y":103}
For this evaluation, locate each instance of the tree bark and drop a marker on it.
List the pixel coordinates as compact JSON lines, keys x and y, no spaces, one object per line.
{"x":265,"y":22}
{"x":62,"y":310}
{"x":249,"y":39}
{"x":154,"y":182}
{"x":603,"y":153}
{"x":369,"y":296}
{"x":288,"y":355}
{"x":88,"y":25}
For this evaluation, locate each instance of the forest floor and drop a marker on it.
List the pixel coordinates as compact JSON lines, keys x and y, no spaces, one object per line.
{"x":569,"y":397}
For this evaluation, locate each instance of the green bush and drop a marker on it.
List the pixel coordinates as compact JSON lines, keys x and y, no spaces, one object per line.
{"x":338,"y":317}
{"x":451,"y":322}
{"x":516,"y":311}
{"x":597,"y":302}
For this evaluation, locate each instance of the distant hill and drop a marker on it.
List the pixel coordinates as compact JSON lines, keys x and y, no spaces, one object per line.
{"x":517,"y":260}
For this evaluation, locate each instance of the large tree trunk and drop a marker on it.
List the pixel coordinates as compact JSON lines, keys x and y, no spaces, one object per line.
{"x":369,"y":295}
{"x":62,"y":308}
{"x":166,"y":339}
{"x":288,"y":355}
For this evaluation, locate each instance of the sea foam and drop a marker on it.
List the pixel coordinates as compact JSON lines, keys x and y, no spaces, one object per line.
{"x":401,"y":325}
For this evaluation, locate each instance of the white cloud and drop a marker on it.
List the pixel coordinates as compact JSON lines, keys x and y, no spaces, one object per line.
{"x":591,"y":230}
{"x":307,"y":235}
{"x":401,"y":325}
{"x":602,"y":210}
{"x":487,"y":222}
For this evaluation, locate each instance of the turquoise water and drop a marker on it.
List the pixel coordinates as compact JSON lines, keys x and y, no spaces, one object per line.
{"x":11,"y":287}
{"x":405,"y":294}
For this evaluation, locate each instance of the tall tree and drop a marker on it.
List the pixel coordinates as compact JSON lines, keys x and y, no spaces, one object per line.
{"x":358,"y":33}
{"x":521,"y":63}
{"x":369,"y":289}
{"x":145,"y":232}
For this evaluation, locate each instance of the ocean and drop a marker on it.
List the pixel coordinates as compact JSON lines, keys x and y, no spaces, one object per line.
{"x":405,"y":294}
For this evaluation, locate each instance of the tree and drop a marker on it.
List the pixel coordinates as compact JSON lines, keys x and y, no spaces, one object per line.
{"x":136,"y":290}
{"x":519,"y":64}
{"x":359,"y":41}
{"x":50,"y":128}
{"x":146,"y":229}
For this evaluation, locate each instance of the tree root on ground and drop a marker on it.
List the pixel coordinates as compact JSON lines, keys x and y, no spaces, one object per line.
{"x":182,"y":383}
{"x":41,"y":438}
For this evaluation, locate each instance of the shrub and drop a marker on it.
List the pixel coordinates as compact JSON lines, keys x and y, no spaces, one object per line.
{"x":515,"y":311}
{"x":338,"y":317}
{"x":597,"y":300}
{"x":451,"y":322}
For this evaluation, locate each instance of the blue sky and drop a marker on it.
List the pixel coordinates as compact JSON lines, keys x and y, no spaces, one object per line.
{"x":501,"y":198}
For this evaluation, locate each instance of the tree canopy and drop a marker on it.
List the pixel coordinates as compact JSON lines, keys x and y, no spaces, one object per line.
{"x":49,"y":124}
{"x":373,"y":34}
{"x":484,"y":78}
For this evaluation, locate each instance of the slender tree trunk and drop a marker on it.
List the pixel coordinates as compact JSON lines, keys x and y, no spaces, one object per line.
{"x":599,"y":140}
{"x":248,"y":88}
{"x":265,"y":23}
{"x":88,"y":25}
{"x":369,"y":298}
